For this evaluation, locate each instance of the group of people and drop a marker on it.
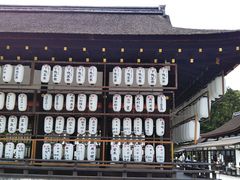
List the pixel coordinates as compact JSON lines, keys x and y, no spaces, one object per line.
{"x":183,"y":158}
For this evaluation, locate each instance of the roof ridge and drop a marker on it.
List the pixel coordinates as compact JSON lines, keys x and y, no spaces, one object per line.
{"x":228,"y":127}
{"x":160,"y":10}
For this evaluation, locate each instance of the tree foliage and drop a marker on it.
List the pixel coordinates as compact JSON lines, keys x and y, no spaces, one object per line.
{"x":222,"y":110}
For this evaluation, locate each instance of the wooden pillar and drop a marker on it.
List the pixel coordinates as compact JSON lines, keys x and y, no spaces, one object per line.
{"x":33,"y":150}
{"x":172,"y":151}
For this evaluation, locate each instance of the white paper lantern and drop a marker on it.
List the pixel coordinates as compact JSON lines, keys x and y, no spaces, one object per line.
{"x":70,"y":102}
{"x":3,"y":122}
{"x":198,"y":130}
{"x":68,"y":74}
{"x":81,"y":75}
{"x":46,"y":151}
{"x":68,"y":151}
{"x":22,"y":102}
{"x":203,"y":108}
{"x":152,"y":76}
{"x":70,"y":127}
{"x":150,"y":103}
{"x":149,"y":153}
{"x":9,"y":150}
{"x":116,"y":126}
{"x":139,"y":103}
{"x":213,"y":90}
{"x":137,"y":126}
{"x":82,"y":102}
{"x":91,"y":152}
{"x":2,"y":100}
{"x":47,"y":102}
{"x":93,"y":123}
{"x":80,"y":151}
{"x":93,"y":102}
{"x":160,"y":153}
{"x":219,"y":84}
{"x":20,"y":151}
{"x":117,"y":75}
{"x":59,"y":124}
{"x":115,"y":152}
{"x":163,"y":76}
{"x":7,"y":72}
{"x":117,"y":102}
{"x":210,"y":95}
{"x":12,"y":124}
{"x":23,"y":124}
{"x":148,"y":127}
{"x":48,"y":124}
{"x":92,"y":75}
{"x":126,"y":152}
{"x":128,"y":101}
{"x":160,"y":127}
{"x":57,"y":151}
{"x":127,"y":126}
{"x":45,"y":73}
{"x":140,"y":76}
{"x":82,"y":124}
{"x":162,"y":103}
{"x":184,"y":130}
{"x":57,"y":74}
{"x":1,"y":150}
{"x":10,"y":101}
{"x":183,"y":133}
{"x":190,"y":129}
{"x":58,"y":102}
{"x":128,"y":76}
{"x":137,"y":153}
{"x":18,"y":73}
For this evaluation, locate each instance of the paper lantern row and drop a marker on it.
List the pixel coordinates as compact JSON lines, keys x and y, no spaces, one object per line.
{"x":199,"y":108}
{"x":217,"y":88}
{"x":138,"y":126}
{"x":9,"y":150}
{"x":11,"y":101}
{"x":139,"y":103}
{"x":16,"y":72}
{"x":69,"y":151}
{"x":70,"y":102}
{"x":137,"y":154}
{"x":201,"y":105}
{"x":70,"y":125}
{"x":57,"y":72}
{"x":152,"y":76}
{"x":68,"y":74}
{"x":14,"y":124}
{"x":186,"y":132}
{"x":88,"y":152}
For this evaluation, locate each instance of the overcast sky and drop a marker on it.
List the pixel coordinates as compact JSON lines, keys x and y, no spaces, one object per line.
{"x":201,"y":14}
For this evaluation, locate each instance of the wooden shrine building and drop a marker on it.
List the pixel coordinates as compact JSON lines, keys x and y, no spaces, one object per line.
{"x":90,"y":91}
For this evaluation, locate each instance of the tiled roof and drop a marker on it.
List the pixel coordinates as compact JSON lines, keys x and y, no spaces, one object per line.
{"x":90,"y":20}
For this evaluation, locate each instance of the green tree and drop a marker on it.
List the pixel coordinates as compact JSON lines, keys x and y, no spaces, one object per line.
{"x":222,"y":110}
